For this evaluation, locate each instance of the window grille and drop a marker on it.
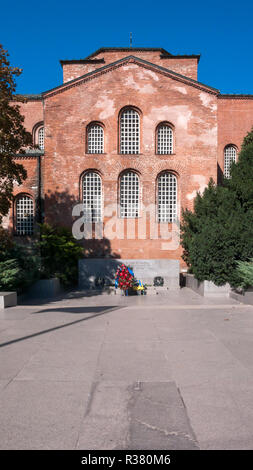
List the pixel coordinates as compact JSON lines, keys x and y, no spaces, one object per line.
{"x":229,"y":158}
{"x":41,"y":138}
{"x":167,"y":198}
{"x":92,"y":197}
{"x":164,"y":140}
{"x":24,"y":215}
{"x":129,"y":195}
{"x":95,"y":139}
{"x":129,"y":132}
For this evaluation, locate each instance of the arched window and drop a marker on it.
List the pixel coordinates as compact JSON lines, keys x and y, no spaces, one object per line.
{"x":95,"y":138}
{"x":229,"y":158}
{"x":38,"y":135}
{"x":24,"y":221}
{"x":92,"y":197}
{"x":129,"y":131}
{"x":41,"y":138}
{"x":167,"y":197}
{"x":129,"y":195}
{"x":164,"y":139}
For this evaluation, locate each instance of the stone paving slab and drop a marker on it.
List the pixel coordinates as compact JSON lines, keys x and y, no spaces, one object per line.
{"x":158,"y":418}
{"x":42,"y":414}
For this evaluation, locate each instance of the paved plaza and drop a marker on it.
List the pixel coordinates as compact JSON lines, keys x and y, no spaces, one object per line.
{"x":109,"y":372}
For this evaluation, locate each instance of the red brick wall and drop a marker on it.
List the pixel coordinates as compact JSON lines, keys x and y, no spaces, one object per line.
{"x":32,"y":110}
{"x":184,"y":66}
{"x":190,"y":110}
{"x":235,"y":118}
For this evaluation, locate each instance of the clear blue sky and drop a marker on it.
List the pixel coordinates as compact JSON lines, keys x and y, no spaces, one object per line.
{"x":39,"y":34}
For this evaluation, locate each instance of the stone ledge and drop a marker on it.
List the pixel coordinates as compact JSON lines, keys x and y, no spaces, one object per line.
{"x":44,"y":288}
{"x":8,"y":299}
{"x":206,"y":287}
{"x":246,"y":297}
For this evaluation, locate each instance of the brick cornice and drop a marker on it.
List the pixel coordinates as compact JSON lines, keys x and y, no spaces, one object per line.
{"x":121,"y":62}
{"x":235,"y":97}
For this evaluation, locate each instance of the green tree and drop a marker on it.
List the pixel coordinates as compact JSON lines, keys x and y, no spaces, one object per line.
{"x":13,"y":136}
{"x":241,"y":181}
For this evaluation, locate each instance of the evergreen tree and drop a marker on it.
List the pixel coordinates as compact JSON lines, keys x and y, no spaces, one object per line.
{"x":219,"y":231}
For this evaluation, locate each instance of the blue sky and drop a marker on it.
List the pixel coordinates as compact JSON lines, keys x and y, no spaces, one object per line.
{"x":39,"y":34}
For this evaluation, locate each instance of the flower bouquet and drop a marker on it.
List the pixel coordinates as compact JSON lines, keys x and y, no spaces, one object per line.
{"x":125,"y":280}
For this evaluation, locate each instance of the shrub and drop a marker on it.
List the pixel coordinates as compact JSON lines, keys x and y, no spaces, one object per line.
{"x":59,"y":252}
{"x":19,"y":269}
{"x":6,"y":244}
{"x":10,"y":274}
{"x":245,"y":273}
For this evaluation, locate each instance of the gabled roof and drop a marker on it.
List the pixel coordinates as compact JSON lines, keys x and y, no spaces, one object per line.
{"x":133,"y":59}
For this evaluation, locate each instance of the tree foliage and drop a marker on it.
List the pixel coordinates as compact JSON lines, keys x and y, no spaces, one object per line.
{"x":219,"y":231}
{"x":60,"y":253}
{"x":19,"y":266}
{"x":245,"y":273}
{"x":13,"y":136}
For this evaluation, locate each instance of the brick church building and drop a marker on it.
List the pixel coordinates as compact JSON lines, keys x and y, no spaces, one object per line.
{"x":133,"y":135}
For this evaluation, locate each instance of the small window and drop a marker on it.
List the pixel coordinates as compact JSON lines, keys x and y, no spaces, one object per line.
{"x":92,"y":197}
{"x":129,"y":132}
{"x":229,"y":158}
{"x":24,"y":215}
{"x":95,"y":139}
{"x":129,"y":195}
{"x":167,"y":197}
{"x":164,"y":139}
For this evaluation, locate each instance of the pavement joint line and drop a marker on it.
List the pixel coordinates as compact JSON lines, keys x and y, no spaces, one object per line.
{"x":191,"y":307}
{"x":93,"y":388}
{"x":131,"y":306}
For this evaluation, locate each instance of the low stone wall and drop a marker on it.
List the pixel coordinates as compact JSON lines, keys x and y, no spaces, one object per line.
{"x":246,"y":297}
{"x":44,"y":288}
{"x":8,"y":299}
{"x":206,"y":287}
{"x":144,"y":269}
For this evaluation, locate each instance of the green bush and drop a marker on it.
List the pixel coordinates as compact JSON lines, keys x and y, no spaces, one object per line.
{"x":245,"y":273}
{"x":60,"y":253}
{"x":19,"y":271}
{"x":6,"y":244}
{"x":10,"y":274}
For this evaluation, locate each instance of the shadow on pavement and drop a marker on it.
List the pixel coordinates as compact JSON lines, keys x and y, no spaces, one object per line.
{"x":102,"y":310}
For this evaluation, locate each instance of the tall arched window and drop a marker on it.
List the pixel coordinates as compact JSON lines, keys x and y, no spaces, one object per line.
{"x":229,"y":158}
{"x":41,"y":138}
{"x":129,"y":195}
{"x":38,"y":135}
{"x":95,"y":138}
{"x":92,"y":197}
{"x":164,"y":139}
{"x":24,"y":221}
{"x":167,"y":197}
{"x":129,"y":131}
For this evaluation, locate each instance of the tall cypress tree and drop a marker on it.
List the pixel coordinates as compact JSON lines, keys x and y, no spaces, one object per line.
{"x":219,"y":231}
